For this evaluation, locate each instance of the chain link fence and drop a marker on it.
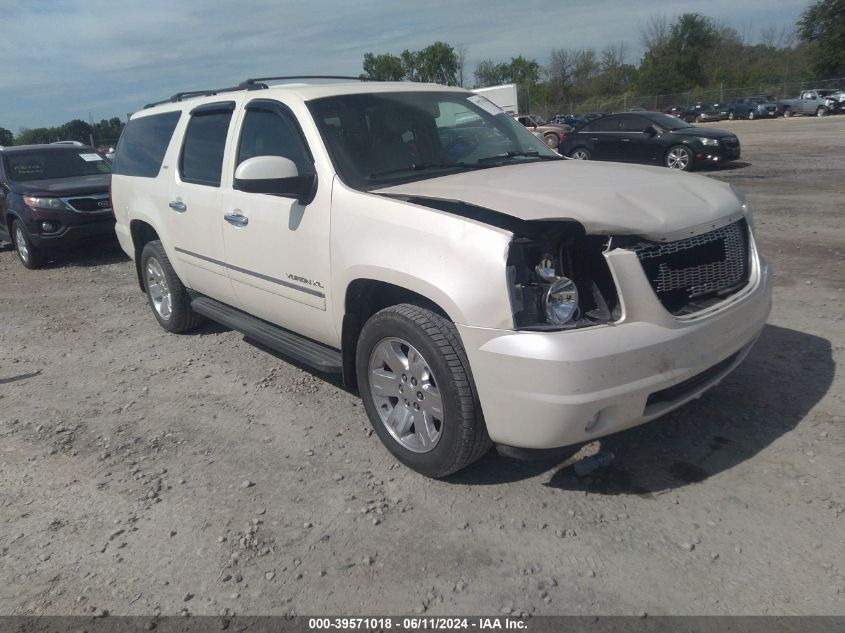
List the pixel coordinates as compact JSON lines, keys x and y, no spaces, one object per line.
{"x":722,"y":94}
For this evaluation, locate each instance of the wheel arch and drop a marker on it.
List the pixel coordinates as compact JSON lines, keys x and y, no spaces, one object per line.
{"x":142,"y":233}
{"x":362,"y":299}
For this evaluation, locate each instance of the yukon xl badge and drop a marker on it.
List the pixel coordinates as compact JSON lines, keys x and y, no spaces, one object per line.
{"x":304,"y":280}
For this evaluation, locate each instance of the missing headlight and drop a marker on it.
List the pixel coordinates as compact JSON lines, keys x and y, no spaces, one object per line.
{"x":559,"y":279}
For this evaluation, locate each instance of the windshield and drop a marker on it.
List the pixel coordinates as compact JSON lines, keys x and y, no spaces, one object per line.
{"x":669,"y":122}
{"x":47,"y":164}
{"x":379,"y":139}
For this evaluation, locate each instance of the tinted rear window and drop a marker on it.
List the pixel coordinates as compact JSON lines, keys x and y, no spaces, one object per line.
{"x":143,"y":144}
{"x":202,"y":152}
{"x":46,"y":164}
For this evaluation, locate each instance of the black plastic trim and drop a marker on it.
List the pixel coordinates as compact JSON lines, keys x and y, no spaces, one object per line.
{"x":295,"y":346}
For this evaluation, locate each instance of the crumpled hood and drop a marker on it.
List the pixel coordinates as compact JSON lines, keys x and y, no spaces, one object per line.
{"x":605,"y":198}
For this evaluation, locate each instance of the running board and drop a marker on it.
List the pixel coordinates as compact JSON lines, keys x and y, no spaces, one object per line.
{"x":304,"y":350}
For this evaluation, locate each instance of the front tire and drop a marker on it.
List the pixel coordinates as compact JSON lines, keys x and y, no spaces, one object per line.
{"x":28,"y":254}
{"x":166,"y":294}
{"x":751,"y":116}
{"x":822,"y":111}
{"x":415,"y":381}
{"x":679,"y":157}
{"x":731,"y":116}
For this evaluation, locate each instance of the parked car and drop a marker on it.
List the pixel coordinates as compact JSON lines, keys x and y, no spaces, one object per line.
{"x":493,"y":282}
{"x":550,"y":133}
{"x":702,"y":112}
{"x":676,"y":111}
{"x":51,"y":197}
{"x":771,"y":105}
{"x":751,"y":108}
{"x":813,"y":102}
{"x":651,"y":138}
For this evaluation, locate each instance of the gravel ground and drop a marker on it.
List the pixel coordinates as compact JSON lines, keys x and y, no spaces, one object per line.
{"x":143,"y":472}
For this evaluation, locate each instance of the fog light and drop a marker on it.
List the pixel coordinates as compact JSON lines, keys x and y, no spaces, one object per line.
{"x":48,"y":227}
{"x":591,"y":423}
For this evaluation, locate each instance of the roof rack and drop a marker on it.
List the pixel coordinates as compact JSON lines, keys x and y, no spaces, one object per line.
{"x":256,"y":83}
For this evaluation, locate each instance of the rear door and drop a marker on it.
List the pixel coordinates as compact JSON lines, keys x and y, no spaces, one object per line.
{"x":195,"y":206}
{"x":636,"y":146}
{"x":604,"y":135}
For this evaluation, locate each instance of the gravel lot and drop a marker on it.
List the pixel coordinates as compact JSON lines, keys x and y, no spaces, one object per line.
{"x":143,"y":472}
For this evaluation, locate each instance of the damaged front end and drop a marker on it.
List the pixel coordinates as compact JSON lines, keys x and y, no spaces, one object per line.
{"x":558,"y":278}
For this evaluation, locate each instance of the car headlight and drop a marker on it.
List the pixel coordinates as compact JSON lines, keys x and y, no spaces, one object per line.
{"x":54,"y":204}
{"x":561,"y":302}
{"x":710,"y":142}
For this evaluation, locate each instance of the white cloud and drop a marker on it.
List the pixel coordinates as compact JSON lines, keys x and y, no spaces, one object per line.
{"x":67,"y":58}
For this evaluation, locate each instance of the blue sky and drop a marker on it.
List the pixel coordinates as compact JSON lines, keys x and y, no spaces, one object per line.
{"x":62,"y":59}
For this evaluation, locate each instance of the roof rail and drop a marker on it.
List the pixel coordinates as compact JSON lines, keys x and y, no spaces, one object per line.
{"x":179,"y":96}
{"x":257,"y":83}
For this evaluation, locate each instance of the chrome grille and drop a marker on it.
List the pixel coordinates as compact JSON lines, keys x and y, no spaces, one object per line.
{"x":694,"y":268}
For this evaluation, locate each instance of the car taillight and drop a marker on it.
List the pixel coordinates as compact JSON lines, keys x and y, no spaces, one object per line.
{"x":562,"y":138}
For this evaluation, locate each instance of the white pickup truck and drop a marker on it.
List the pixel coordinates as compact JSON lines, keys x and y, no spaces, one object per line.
{"x":471,"y":284}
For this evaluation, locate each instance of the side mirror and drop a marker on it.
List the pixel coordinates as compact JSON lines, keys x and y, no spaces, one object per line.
{"x":650,"y":131}
{"x":276,"y":176}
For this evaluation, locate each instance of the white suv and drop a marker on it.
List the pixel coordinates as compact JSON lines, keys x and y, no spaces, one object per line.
{"x":474,"y":286}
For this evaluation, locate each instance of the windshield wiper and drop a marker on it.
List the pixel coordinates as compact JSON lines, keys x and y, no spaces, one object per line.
{"x":517,"y":154}
{"x":420,"y":167}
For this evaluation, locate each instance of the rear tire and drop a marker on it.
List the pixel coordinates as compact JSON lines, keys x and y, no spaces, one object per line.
{"x":551,"y":140}
{"x":415,"y":381}
{"x":580,"y":153}
{"x":170,"y":302}
{"x":28,"y":254}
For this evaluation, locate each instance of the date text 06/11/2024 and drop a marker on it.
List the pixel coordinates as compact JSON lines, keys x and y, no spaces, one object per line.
{"x":417,"y":623}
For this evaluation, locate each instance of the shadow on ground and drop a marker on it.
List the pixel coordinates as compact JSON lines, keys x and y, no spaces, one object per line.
{"x":784,"y":376}
{"x":88,"y":256}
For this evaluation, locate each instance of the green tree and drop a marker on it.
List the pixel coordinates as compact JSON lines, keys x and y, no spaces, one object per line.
{"x":823,"y":25}
{"x":488,"y":73}
{"x":6,"y":137}
{"x":436,"y":63}
{"x":385,"y":67}
{"x":678,"y":63}
{"x":76,"y":130}
{"x":34,"y":136}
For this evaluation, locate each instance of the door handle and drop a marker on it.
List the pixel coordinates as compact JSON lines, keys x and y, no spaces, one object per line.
{"x":236,"y":219}
{"x":178,"y":205}
{"x":625,"y":140}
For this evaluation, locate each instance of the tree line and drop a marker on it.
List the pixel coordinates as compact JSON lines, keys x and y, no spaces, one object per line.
{"x":690,"y":53}
{"x":106,"y":132}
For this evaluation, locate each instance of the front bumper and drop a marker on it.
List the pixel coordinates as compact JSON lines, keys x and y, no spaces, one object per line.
{"x":70,"y":235}
{"x":546,"y":390}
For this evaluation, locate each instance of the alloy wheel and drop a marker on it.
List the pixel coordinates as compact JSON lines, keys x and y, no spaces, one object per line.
{"x":579,"y":154}
{"x":20,"y":243}
{"x":678,"y":158}
{"x":405,"y":393}
{"x":158,"y":288}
